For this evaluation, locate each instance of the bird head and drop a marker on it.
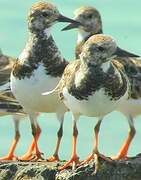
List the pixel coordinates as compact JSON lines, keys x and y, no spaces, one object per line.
{"x":89,"y":18}
{"x":101,"y":48}
{"x":43,"y":15}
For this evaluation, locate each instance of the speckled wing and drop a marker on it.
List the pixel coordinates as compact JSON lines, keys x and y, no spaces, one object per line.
{"x":68,"y":76}
{"x":6,"y":64}
{"x":9,"y":105}
{"x":132,"y":68}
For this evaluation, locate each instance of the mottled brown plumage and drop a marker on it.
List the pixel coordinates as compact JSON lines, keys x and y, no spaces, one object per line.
{"x":94,"y":79}
{"x":42,"y":51}
{"x":93,"y":86}
{"x":41,"y":5}
{"x":131,"y":66}
{"x":6,"y":65}
{"x":8,"y":103}
{"x":39,"y":67}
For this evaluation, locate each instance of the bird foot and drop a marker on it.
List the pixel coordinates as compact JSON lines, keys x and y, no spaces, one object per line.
{"x":119,"y":157}
{"x":9,"y":157}
{"x":31,"y":157}
{"x":26,"y":157}
{"x":54,"y":158}
{"x":37,"y":157}
{"x":95,"y":156}
{"x":73,"y":162}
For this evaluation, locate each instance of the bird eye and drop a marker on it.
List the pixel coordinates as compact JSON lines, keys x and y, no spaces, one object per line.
{"x":89,"y":16}
{"x":45,"y":14}
{"x":101,"y":48}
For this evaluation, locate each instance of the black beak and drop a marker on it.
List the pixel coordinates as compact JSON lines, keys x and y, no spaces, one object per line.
{"x":123,"y":53}
{"x":62,"y":18}
{"x":72,"y":26}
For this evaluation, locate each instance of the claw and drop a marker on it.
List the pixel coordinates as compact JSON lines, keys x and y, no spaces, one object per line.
{"x":9,"y":157}
{"x":37,"y":157}
{"x":32,"y":156}
{"x":95,"y":156}
{"x":26,"y":157}
{"x":73,"y":162}
{"x":118,"y":157}
{"x":54,"y":158}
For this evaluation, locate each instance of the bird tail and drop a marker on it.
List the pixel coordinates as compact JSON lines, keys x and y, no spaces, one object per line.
{"x":55,"y":90}
{"x":9,"y":105}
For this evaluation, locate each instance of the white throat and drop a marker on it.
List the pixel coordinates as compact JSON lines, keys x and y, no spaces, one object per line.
{"x":82,"y":35}
{"x":47,"y":32}
{"x":105,"y":66}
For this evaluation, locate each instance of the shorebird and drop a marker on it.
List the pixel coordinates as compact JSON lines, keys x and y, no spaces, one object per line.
{"x":91,"y":24}
{"x":39,"y":68}
{"x":93,"y":86}
{"x":8,"y":104}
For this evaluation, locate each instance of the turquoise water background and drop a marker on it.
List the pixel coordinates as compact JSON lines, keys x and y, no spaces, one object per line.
{"x":122,"y":20}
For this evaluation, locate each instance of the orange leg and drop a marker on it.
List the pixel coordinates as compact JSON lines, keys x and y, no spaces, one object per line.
{"x":30,"y":153}
{"x":55,"y":156}
{"x":95,"y":153}
{"x":38,"y":154}
{"x":75,"y":159}
{"x":124,"y":150}
{"x":11,"y":155}
{"x":95,"y":150}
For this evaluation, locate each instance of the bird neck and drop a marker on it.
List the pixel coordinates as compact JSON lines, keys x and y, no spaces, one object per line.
{"x":40,"y":49}
{"x":84,"y":35}
{"x":42,"y":34}
{"x":47,"y":32}
{"x":95,"y":66}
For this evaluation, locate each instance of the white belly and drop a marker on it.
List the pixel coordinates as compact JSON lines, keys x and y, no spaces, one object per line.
{"x":132,"y":107}
{"x":28,"y":91}
{"x":97,"y":105}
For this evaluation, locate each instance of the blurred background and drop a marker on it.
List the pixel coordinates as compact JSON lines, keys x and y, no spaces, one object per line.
{"x":122,"y":20}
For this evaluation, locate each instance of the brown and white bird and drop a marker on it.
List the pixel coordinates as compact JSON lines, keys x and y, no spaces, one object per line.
{"x":8,"y":104}
{"x":91,"y":24}
{"x":93,"y":86}
{"x":39,"y":68}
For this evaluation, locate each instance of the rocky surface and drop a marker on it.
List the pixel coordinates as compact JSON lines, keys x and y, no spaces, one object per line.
{"x":116,"y":170}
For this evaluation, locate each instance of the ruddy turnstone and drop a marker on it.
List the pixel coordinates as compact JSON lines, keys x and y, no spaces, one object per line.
{"x":93,"y":85}
{"x":39,"y":68}
{"x":8,"y":104}
{"x":6,"y":65}
{"x":7,"y":107}
{"x":91,"y":24}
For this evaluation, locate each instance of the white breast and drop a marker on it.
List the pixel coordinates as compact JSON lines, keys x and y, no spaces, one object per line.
{"x":97,"y":105}
{"x":132,"y":107}
{"x":29,"y":91}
